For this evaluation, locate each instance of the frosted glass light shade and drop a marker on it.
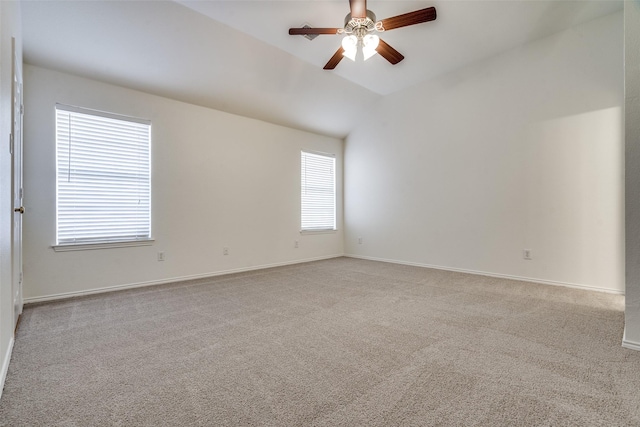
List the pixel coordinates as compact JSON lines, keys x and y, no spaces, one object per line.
{"x":369,"y":44}
{"x":350,"y":46}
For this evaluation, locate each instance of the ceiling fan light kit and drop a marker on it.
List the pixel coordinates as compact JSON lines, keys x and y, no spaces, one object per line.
{"x":358,"y":28}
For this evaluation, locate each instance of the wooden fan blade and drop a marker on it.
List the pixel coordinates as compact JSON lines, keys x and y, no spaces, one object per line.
{"x":304,"y":31}
{"x":358,"y":8}
{"x":335,"y":59}
{"x":411,"y":18}
{"x":389,"y":53}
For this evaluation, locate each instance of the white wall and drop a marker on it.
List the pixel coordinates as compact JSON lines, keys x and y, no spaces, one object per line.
{"x":9,"y":27}
{"x":524,"y":150}
{"x":218,"y":180}
{"x":632,"y":167}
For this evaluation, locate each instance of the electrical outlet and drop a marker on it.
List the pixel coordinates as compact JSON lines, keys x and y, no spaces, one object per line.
{"x":225,"y":251}
{"x":526,"y":253}
{"x":295,"y":244}
{"x":161,"y":256}
{"x":359,"y":240}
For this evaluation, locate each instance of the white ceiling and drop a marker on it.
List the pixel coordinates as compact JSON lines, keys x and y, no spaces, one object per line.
{"x":237,"y":56}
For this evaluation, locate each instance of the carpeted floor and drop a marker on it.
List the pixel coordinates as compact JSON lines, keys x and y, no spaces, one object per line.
{"x":342,"y":342}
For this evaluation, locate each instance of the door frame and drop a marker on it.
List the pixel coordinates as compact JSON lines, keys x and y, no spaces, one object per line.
{"x":17,"y":192}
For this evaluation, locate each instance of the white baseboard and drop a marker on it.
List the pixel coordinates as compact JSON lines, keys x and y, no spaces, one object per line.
{"x":497,"y":275}
{"x":64,"y":295}
{"x":632,"y":345}
{"x":5,"y":365}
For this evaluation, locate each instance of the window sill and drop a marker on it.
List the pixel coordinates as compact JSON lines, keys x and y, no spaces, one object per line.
{"x":110,"y":245}
{"x":318,"y":231}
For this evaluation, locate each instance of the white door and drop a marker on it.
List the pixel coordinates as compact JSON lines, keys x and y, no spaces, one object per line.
{"x":18,"y":209}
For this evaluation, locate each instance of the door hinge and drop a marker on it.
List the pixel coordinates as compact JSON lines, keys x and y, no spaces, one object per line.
{"x":21,"y":109}
{"x":21,"y":193}
{"x":11,"y":143}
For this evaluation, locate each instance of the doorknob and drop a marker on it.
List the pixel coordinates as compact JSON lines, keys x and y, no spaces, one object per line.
{"x":20,"y":209}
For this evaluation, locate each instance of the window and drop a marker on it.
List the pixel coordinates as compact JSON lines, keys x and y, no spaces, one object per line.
{"x":103,"y":177}
{"x":318,"y":184}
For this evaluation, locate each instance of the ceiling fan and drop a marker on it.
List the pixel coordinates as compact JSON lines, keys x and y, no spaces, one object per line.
{"x":359,"y":26}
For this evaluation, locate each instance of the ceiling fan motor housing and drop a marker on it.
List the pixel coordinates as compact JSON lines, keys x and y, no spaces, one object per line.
{"x":360,"y":26}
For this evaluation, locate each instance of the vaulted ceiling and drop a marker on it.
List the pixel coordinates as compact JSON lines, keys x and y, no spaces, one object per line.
{"x":237,"y":56}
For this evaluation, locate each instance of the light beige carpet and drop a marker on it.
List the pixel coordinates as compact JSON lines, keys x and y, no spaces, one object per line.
{"x":342,"y":342}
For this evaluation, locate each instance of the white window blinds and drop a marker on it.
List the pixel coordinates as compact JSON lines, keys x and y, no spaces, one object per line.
{"x":103,"y":177}
{"x":318,"y":184}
